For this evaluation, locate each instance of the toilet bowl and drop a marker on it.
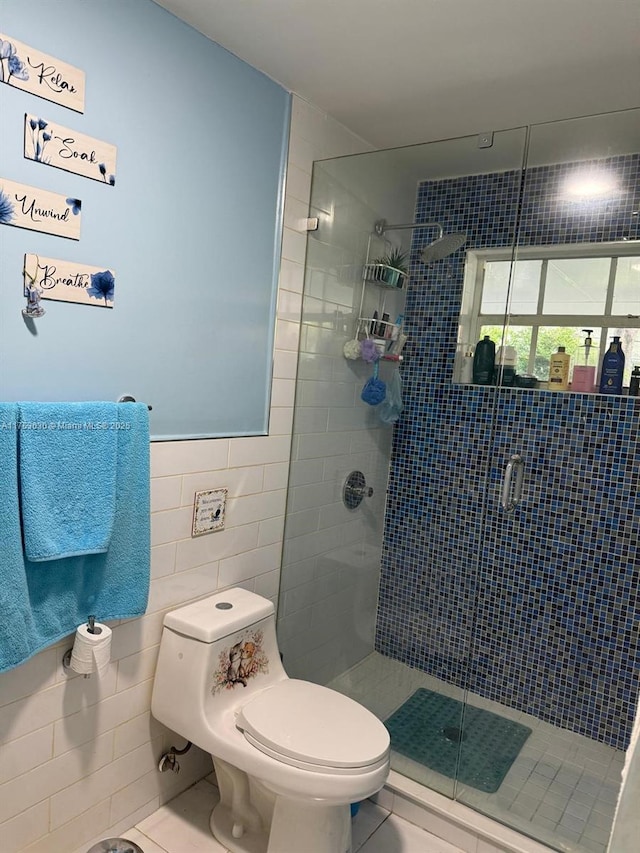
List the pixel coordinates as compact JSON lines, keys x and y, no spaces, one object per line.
{"x":290,"y":756}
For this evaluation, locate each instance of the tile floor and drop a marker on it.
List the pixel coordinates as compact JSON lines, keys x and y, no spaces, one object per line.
{"x":561,"y":790}
{"x":182,"y":826}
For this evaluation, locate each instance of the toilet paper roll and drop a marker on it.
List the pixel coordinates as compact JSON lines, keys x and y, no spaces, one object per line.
{"x":91,"y":652}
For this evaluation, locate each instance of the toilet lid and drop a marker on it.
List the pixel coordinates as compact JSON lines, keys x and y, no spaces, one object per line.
{"x":313,"y":724}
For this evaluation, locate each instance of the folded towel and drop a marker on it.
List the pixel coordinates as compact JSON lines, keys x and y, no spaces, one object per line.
{"x":40,"y":606}
{"x":67,"y":457}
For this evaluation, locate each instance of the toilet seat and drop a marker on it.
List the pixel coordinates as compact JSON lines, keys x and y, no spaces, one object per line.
{"x":314,"y":728}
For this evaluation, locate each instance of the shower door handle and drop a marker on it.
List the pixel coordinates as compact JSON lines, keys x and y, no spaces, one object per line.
{"x":514,"y":473}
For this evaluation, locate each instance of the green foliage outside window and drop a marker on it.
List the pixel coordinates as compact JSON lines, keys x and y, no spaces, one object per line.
{"x":549,"y":339}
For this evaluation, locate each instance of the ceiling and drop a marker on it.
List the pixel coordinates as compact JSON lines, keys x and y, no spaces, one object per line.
{"x":403,"y":71}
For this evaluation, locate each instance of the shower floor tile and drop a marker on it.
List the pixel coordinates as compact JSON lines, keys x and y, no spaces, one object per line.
{"x":561,"y":789}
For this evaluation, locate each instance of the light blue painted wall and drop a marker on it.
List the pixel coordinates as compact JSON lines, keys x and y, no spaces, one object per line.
{"x":192,"y":227}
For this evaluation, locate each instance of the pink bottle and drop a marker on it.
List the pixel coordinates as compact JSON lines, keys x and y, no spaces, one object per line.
{"x":584,"y":375}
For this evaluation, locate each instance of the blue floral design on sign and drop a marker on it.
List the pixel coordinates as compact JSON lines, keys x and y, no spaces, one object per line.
{"x":75,"y":204}
{"x":10,"y":63}
{"x":103,"y":171}
{"x":39,"y":138}
{"x":6,"y":209}
{"x":103,"y":286}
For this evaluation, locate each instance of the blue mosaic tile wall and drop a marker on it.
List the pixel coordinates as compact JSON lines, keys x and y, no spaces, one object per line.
{"x":538,"y":609}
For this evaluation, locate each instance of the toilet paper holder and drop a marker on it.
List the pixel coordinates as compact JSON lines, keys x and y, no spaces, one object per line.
{"x":66,"y":658}
{"x":91,"y":626}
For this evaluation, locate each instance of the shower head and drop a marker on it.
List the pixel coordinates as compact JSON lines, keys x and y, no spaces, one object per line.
{"x":444,"y":246}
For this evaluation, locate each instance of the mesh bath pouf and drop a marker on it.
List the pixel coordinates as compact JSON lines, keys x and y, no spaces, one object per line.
{"x":374,"y":390}
{"x":351,"y":349}
{"x":391,"y":408}
{"x":369,"y":351}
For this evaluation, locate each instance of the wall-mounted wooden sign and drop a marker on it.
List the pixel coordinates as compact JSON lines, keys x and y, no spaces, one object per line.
{"x":65,"y":281}
{"x":39,"y":210}
{"x":54,"y":145}
{"x":32,"y":71}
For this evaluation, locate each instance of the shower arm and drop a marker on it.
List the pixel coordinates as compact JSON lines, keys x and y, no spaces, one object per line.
{"x":381,"y":227}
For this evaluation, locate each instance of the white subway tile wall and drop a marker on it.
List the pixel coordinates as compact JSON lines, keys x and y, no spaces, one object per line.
{"x":79,"y":756}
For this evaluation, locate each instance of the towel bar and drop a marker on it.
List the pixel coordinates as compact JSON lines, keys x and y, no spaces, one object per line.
{"x":127,"y":398}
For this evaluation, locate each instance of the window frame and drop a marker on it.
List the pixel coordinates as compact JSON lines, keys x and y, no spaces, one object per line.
{"x":471,"y":320}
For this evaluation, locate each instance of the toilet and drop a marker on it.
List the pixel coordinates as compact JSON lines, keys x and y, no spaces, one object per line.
{"x":290,"y":756}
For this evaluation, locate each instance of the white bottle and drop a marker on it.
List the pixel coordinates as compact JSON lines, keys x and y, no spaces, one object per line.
{"x":466,"y":367}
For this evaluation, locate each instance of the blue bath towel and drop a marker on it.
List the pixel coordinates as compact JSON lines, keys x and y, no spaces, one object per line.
{"x":40,"y":604}
{"x":67,"y":455}
{"x":16,"y":623}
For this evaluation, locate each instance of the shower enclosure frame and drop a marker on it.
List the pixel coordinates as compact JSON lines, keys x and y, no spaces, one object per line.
{"x":492,"y":412}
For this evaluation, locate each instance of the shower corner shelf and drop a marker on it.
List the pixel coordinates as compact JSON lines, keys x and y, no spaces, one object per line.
{"x":384,"y":276}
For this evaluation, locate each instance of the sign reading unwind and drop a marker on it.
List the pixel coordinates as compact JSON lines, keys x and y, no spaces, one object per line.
{"x":39,"y":210}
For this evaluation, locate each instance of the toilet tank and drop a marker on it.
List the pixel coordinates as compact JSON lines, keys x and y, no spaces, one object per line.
{"x":219,"y":615}
{"x":215,"y":654}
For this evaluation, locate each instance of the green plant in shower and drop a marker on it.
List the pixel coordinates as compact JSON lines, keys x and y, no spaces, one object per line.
{"x":397,"y":259}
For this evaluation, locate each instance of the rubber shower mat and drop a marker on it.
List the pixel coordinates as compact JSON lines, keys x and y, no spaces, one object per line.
{"x":473,"y":745}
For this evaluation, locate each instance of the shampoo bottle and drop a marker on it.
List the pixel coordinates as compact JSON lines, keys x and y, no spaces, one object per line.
{"x":612,"y":369}
{"x":484,"y":361}
{"x":559,"y":370}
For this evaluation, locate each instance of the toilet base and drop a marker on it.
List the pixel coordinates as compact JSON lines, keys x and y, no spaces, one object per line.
{"x":297,"y":825}
{"x":221,"y":823}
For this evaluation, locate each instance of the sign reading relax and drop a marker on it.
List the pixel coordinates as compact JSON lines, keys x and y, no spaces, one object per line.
{"x":40,"y":74}
{"x":39,"y":210}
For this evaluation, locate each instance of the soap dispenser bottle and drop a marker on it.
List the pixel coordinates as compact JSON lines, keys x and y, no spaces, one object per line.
{"x":559,"y":370}
{"x":584,"y":375}
{"x":484,"y":361}
{"x":612,"y":368}
{"x":634,"y":383}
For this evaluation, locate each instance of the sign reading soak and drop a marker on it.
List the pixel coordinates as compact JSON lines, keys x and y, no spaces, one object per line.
{"x":58,"y":146}
{"x":69,"y":282}
{"x":39,"y":210}
{"x":40,"y":74}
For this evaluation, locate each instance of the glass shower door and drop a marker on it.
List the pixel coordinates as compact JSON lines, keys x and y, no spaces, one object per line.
{"x":389,"y":622}
{"x":440,"y":466}
{"x":555,"y":652}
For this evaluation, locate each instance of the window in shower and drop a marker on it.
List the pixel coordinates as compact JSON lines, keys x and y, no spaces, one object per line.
{"x":553,"y":295}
